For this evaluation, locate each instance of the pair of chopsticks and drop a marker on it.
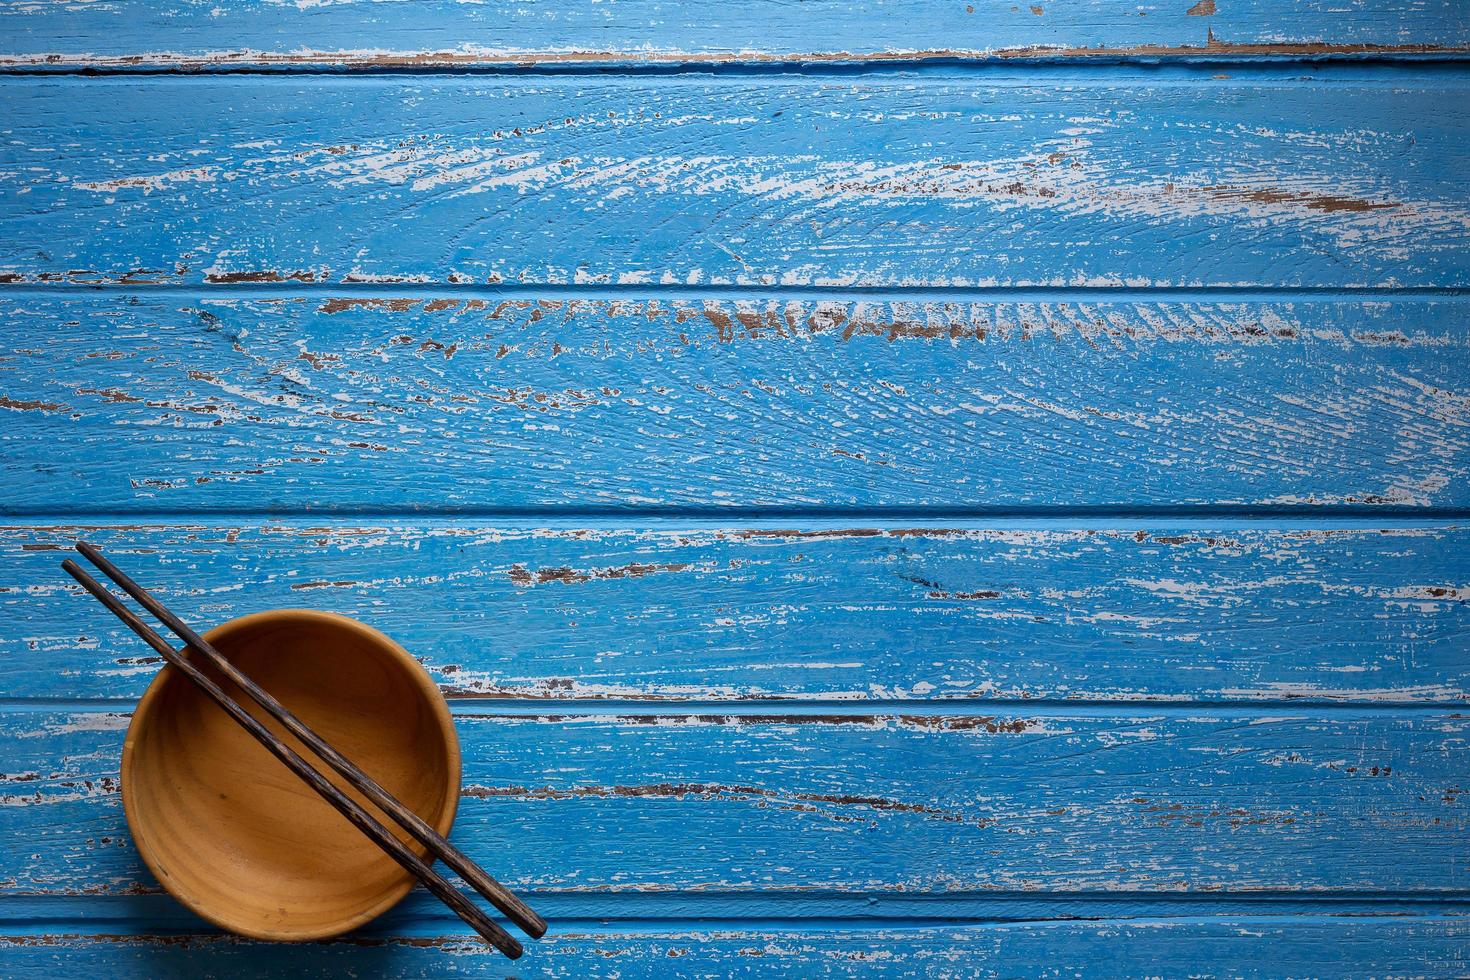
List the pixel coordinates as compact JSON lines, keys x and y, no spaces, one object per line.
{"x":492,"y":890}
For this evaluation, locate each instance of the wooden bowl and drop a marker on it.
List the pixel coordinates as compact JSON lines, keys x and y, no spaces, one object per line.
{"x":239,"y":839}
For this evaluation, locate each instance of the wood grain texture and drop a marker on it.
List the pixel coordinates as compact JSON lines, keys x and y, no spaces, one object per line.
{"x":1229,"y":946}
{"x":893,"y":489}
{"x":440,"y":402}
{"x":1373,"y":614}
{"x":1048,"y":801}
{"x":788,"y":180}
{"x":440,"y":33}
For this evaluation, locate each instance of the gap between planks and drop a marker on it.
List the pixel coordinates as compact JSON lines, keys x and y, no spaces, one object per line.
{"x":813,"y":521}
{"x":778,"y":711}
{"x":680,"y":292}
{"x":1184,"y":65}
{"x":571,"y":927}
{"x":570,"y":911}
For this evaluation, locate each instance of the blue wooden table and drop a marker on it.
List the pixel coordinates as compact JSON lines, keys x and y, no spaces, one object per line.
{"x":925,"y":489}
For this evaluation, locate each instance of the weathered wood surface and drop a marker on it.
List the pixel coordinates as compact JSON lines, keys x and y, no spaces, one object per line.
{"x":442,"y":33}
{"x":1230,"y":946}
{"x":882,"y":180}
{"x":807,"y":476}
{"x":156,"y":913}
{"x":1049,"y":800}
{"x":339,"y":403}
{"x":1374,"y":614}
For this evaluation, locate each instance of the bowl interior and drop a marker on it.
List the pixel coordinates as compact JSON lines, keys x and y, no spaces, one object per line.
{"x":238,"y":838}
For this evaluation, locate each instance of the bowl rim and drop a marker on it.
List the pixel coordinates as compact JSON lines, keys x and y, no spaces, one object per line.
{"x":426,"y":687}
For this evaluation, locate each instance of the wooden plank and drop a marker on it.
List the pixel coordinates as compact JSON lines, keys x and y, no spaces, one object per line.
{"x":179,"y":33}
{"x":338,"y":403}
{"x":155,"y":913}
{"x":788,"y":180}
{"x":1226,"y":946}
{"x":1373,"y":614}
{"x":1188,"y":800}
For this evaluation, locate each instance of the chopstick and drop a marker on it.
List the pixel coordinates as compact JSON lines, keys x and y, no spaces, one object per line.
{"x":349,"y":808}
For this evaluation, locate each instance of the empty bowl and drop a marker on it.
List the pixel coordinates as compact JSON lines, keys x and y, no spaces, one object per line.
{"x":231,"y":833}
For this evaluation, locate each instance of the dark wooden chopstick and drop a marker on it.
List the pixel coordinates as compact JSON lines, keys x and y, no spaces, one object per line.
{"x":344,"y":804}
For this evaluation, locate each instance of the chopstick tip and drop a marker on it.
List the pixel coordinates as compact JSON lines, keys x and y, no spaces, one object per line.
{"x":81,"y":575}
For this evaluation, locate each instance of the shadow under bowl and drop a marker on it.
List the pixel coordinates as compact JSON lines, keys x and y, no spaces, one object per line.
{"x":231,"y":833}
